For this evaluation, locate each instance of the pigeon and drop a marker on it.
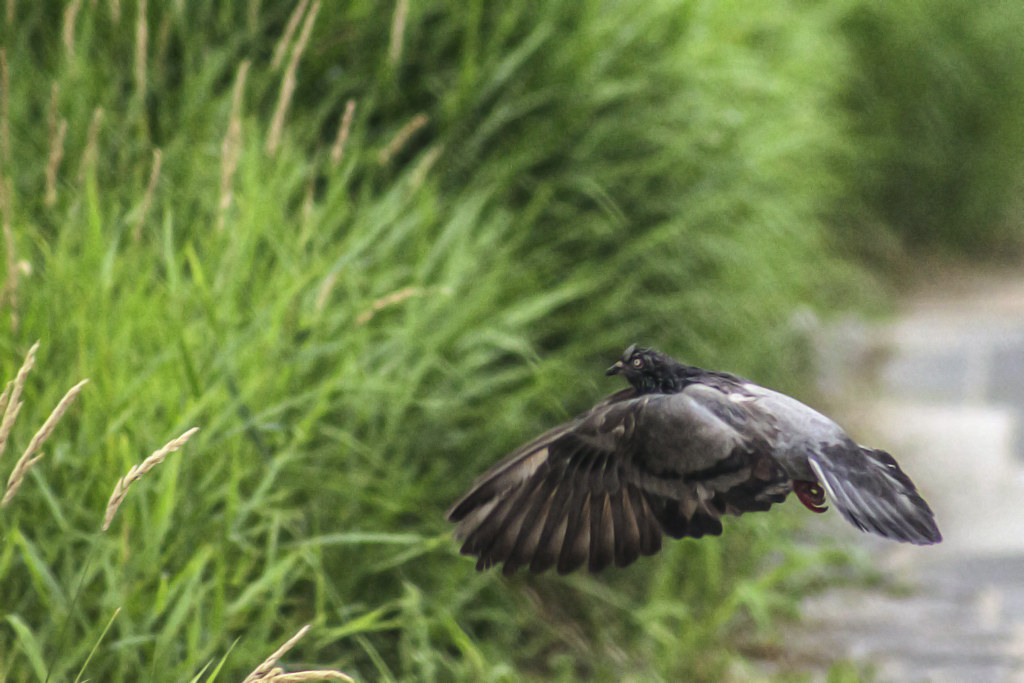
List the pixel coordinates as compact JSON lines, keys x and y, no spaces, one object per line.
{"x":669,"y":456}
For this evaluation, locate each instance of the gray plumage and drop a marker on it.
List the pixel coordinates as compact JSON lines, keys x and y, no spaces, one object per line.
{"x":669,"y":456}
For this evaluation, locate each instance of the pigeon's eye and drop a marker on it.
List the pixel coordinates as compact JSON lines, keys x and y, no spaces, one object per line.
{"x":638,"y":363}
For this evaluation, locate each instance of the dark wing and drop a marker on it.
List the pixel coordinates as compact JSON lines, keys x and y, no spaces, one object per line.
{"x":874,"y":494}
{"x":605,"y":486}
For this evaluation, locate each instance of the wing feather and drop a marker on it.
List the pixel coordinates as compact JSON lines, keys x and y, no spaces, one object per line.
{"x":577,"y":536}
{"x":603,"y":488}
{"x":627,"y":531}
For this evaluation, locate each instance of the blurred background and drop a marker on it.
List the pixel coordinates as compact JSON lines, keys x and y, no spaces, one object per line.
{"x":369,"y":247}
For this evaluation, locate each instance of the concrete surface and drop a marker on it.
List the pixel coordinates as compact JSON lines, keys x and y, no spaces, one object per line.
{"x":941,"y":386}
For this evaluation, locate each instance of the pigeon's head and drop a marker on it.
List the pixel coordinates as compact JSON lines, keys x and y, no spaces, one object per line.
{"x":647,"y":370}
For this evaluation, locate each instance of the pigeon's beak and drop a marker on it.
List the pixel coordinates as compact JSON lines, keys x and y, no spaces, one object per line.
{"x":615,"y":369}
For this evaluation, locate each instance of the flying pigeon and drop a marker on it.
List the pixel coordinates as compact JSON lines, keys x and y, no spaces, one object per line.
{"x":670,"y":454}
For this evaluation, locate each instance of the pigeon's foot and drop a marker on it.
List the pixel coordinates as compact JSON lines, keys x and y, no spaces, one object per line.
{"x":810,"y":494}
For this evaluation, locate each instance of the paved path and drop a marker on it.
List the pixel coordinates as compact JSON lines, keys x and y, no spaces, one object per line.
{"x":945,"y":392}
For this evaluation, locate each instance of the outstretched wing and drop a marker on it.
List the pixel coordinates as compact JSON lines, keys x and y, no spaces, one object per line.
{"x":605,"y":486}
{"x":874,"y":494}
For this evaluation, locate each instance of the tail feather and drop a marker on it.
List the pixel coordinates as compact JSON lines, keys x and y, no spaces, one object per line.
{"x":874,"y":494}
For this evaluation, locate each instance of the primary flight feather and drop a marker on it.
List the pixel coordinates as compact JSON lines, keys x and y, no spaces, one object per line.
{"x":669,"y":456}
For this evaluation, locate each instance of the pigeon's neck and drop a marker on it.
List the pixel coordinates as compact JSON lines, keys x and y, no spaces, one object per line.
{"x":671,"y":379}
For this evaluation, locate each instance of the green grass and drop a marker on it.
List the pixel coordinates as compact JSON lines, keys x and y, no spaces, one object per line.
{"x":938,"y":99}
{"x":357,"y":341}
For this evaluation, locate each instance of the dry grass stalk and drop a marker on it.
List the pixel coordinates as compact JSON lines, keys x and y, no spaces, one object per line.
{"x":389,"y":300}
{"x":68,"y":32}
{"x":141,"y":49}
{"x":147,"y":199}
{"x":136,"y":472}
{"x":402,"y":137}
{"x":8,"y":293}
{"x":261,"y":672}
{"x":231,"y":147}
{"x":9,"y":13}
{"x":53,"y":162}
{"x":289,"y":30}
{"x":91,"y":144}
{"x":268,"y":671}
{"x":325,"y":291}
{"x":29,"y":457}
{"x":6,"y":396}
{"x":397,"y":32}
{"x":278,"y":676}
{"x":288,"y":82}
{"x":54,"y":112}
{"x":338,"y":148}
{"x":14,"y":397}
{"x":5,"y":108}
{"x":419,"y":174}
{"x":62,"y":406}
{"x":115,"y":11}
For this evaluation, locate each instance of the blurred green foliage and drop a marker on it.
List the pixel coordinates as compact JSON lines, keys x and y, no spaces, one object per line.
{"x":357,"y":339}
{"x":938,"y":100}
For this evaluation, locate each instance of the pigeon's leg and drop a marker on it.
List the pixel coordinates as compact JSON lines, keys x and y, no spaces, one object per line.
{"x":810,"y":494}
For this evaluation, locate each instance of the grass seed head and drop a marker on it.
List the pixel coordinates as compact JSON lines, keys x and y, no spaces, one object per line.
{"x":29,"y":457}
{"x":289,"y":81}
{"x":13,"y":405}
{"x":136,"y":472}
{"x":289,"y":30}
{"x":269,"y":672}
